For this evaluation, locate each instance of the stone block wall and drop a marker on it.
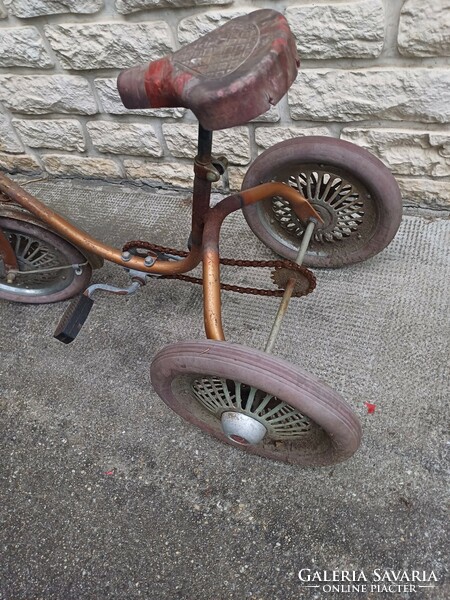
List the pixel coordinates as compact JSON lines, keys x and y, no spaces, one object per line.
{"x":375,"y":72}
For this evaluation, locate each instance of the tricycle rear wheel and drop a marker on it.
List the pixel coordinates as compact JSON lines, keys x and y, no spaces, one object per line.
{"x":354,"y":193}
{"x":43,"y":252}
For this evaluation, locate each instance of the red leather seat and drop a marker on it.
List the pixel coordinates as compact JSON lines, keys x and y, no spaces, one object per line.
{"x":227,"y":77}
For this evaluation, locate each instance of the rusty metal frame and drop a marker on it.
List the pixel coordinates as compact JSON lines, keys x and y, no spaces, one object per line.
{"x":211,"y":265}
{"x":86,"y":242}
{"x":206,"y":224}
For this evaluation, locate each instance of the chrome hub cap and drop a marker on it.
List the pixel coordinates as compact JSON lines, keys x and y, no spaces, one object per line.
{"x":241,"y":428}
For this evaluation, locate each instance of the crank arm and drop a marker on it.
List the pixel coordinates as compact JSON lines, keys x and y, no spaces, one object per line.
{"x":78,"y":310}
{"x":112,"y":289}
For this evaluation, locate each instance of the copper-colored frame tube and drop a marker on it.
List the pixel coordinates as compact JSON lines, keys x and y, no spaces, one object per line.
{"x":206,"y":224}
{"x":85,"y":241}
{"x":211,"y":262}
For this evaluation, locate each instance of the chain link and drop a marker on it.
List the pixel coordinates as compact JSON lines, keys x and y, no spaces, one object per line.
{"x":297,"y":270}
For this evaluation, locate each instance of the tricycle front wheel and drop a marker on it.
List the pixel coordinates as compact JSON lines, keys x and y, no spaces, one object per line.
{"x":355,"y":194}
{"x":256,"y":402}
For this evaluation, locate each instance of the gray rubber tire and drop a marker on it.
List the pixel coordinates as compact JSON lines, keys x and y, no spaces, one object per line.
{"x":338,"y":432}
{"x":377,"y":187}
{"x":67,"y":284}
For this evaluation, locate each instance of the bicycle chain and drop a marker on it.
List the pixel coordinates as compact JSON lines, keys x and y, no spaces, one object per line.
{"x":298,"y":271}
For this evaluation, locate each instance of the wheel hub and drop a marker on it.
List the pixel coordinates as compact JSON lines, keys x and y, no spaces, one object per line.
{"x":328,"y":216}
{"x":247,"y":414}
{"x":242,"y":429}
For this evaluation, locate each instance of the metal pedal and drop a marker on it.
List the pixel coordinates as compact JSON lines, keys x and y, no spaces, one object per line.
{"x":73,"y":319}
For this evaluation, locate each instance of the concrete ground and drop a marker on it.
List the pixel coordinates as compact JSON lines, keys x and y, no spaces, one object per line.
{"x":107,"y":494}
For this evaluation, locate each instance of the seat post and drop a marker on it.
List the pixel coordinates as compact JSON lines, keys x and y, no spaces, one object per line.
{"x":202,"y":186}
{"x":204,"y":145}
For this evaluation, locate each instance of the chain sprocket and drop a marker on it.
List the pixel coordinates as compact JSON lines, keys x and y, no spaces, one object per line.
{"x":281,"y":275}
{"x":305,"y":277}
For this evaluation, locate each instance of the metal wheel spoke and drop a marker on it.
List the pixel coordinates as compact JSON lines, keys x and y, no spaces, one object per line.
{"x":327,"y":188}
{"x":17,"y":245}
{"x":350,"y":209}
{"x":251,"y":397}
{"x":308,"y":177}
{"x":224,"y":390}
{"x":320,"y":176}
{"x":273,"y":411}
{"x":27,"y":244}
{"x":283,"y":417}
{"x":221,"y":390}
{"x":45,"y":260}
{"x":267,"y":398}
{"x":335,"y":194}
{"x":342,"y":199}
{"x":237,"y":387}
{"x":299,"y":184}
{"x":33,"y":254}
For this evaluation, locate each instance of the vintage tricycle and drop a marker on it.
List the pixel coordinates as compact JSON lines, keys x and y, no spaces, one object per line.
{"x":316,"y":201}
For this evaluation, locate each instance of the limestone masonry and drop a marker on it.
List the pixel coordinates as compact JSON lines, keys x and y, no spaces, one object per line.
{"x":373,"y":72}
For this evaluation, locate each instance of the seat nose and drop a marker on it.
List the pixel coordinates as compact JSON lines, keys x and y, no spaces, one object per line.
{"x":131,"y":87}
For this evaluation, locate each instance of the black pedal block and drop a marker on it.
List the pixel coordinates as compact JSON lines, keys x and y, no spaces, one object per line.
{"x":73,"y":319}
